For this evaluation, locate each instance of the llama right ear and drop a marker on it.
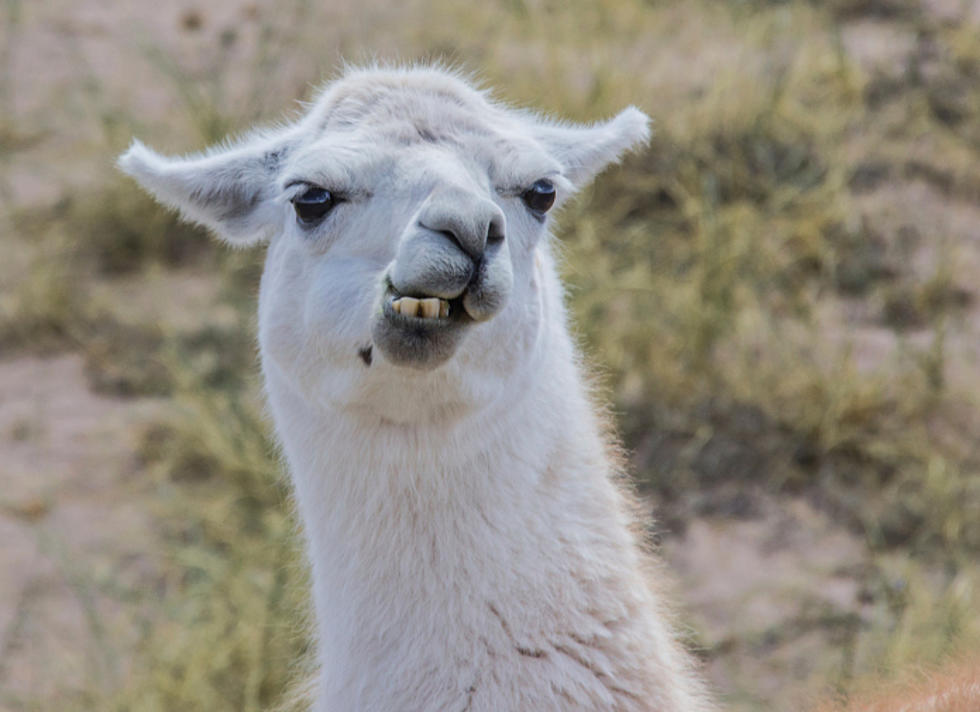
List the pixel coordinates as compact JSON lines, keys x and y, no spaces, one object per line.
{"x":229,"y":189}
{"x":584,"y":150}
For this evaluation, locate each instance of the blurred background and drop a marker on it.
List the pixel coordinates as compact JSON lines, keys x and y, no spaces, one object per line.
{"x":779,"y":296}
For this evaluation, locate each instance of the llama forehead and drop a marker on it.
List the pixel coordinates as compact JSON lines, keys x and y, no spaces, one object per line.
{"x":398,"y":122}
{"x":431,"y":103}
{"x":410,"y":115}
{"x":361,"y":158}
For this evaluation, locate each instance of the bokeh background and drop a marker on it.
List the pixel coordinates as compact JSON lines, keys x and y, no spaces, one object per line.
{"x":779,"y":296}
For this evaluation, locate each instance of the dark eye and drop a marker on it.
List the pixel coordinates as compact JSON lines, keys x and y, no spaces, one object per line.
{"x":313,"y":205}
{"x":540,"y":196}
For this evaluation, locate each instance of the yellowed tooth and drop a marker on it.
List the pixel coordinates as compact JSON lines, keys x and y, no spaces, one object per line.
{"x":410,"y":306}
{"x":396,"y":305}
{"x":429,"y":308}
{"x":443,"y":308}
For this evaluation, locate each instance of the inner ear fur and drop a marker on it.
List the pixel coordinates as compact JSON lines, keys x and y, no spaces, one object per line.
{"x":229,"y":189}
{"x":584,"y":150}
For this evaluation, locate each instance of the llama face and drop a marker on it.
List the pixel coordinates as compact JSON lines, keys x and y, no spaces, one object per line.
{"x":406,"y":217}
{"x":421,"y":262}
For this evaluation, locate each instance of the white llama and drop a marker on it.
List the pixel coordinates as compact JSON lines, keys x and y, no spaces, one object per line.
{"x":471,"y":547}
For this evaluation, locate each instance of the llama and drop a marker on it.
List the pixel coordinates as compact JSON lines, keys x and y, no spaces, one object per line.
{"x":472,"y":547}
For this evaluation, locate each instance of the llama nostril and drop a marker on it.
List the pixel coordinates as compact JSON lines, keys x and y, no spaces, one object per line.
{"x":451,"y":236}
{"x":495,"y":230}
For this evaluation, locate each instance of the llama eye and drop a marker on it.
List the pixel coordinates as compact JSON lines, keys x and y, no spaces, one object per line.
{"x":540,"y":196}
{"x":313,"y":205}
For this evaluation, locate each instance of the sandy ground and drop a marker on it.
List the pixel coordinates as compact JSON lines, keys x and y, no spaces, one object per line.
{"x":75,"y":525}
{"x":759,"y":592}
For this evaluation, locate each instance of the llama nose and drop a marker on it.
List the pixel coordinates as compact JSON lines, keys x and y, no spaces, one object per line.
{"x":469,"y":220}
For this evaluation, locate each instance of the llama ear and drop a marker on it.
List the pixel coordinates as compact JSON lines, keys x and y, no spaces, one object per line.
{"x":584,"y":151}
{"x":229,"y":189}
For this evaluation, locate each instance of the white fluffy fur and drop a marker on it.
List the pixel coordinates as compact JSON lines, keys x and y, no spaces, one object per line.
{"x":471,"y":549}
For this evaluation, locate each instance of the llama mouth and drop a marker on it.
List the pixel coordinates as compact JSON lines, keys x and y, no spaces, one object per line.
{"x":418,"y":331}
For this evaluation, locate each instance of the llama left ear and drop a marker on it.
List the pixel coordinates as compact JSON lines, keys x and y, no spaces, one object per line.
{"x":584,"y":151}
{"x":229,"y":190}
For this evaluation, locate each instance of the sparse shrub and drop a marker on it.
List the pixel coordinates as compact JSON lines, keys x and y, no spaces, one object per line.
{"x":125,"y":360}
{"x":122,"y":231}
{"x":232,"y":636}
{"x":46,"y":309}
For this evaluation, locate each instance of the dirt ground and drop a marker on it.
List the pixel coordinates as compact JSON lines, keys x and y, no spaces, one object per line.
{"x":70,"y":503}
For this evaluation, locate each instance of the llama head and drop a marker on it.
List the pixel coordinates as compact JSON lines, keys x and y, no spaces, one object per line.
{"x":403,"y":212}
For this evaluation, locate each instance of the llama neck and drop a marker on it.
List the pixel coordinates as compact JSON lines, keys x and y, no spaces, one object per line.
{"x":439,"y":554}
{"x":368,"y":490}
